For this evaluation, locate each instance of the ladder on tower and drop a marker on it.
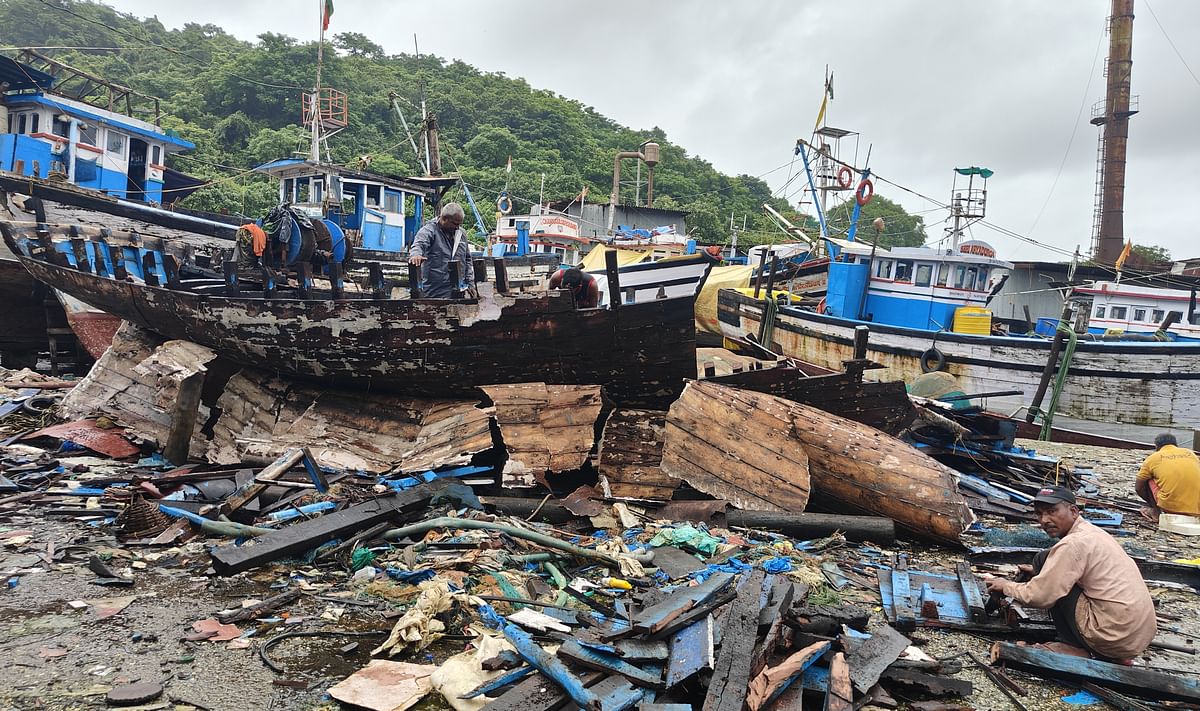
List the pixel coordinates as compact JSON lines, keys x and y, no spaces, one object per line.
{"x":1098,"y":207}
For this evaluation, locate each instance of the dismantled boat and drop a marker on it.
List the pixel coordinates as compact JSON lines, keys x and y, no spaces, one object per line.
{"x":641,"y":352}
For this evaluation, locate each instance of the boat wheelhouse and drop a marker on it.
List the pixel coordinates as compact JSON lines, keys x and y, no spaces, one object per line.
{"x":1118,"y":308}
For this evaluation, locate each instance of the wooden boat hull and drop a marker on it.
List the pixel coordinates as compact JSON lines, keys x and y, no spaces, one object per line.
{"x":852,"y":468}
{"x":23,"y":318}
{"x":1132,"y":383}
{"x":424,"y":347}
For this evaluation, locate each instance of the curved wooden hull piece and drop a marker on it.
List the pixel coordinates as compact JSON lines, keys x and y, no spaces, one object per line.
{"x":641,"y":353}
{"x":737,"y":445}
{"x":1137,"y":383}
{"x":853,"y":468}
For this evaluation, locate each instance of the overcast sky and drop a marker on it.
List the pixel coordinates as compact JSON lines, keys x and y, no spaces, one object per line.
{"x":929,"y":84}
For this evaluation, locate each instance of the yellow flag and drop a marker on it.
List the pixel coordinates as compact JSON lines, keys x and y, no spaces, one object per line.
{"x":821,"y":113}
{"x":1124,"y":254}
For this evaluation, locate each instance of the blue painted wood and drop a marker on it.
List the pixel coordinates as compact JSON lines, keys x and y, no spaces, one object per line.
{"x":814,"y":652}
{"x":691,"y":649}
{"x":1140,"y":682}
{"x":903,"y":615}
{"x":543,"y":661}
{"x":499,"y":682}
{"x":658,"y":616}
{"x":602,"y":661}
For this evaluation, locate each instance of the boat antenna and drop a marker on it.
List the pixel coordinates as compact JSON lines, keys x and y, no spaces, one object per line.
{"x":315,"y":106}
{"x":424,"y":113}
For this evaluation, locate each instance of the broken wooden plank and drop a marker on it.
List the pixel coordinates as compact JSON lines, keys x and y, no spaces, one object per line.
{"x":305,"y":535}
{"x":262,"y":480}
{"x":545,"y":428}
{"x":591,"y":658}
{"x":904,"y":618}
{"x":731,"y":674}
{"x":736,"y":445}
{"x":1145,"y":683}
{"x":972,"y":597}
{"x":536,"y":693}
{"x":1112,"y":698}
{"x":656,"y":617}
{"x":930,"y":684}
{"x":769,"y":684}
{"x":676,"y":563}
{"x":691,"y":650}
{"x":871,"y":657}
{"x":771,"y":620}
{"x":629,"y":456}
{"x":840,"y":696}
{"x":642,"y":649}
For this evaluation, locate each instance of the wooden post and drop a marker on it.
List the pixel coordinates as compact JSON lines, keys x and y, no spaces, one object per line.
{"x":117,"y":256}
{"x":1051,"y":362}
{"x":501,"y":269}
{"x":375,"y":274}
{"x":1028,"y":320}
{"x":861,"y":334}
{"x":455,"y":279}
{"x":149,"y":269}
{"x":771,"y":276}
{"x":762,"y":263}
{"x":614,"y":279}
{"x":337,"y":288}
{"x":231,"y":278}
{"x":480,"y":266}
{"x":82,"y":263}
{"x":171,"y":269}
{"x":414,"y":281}
{"x":183,"y":419}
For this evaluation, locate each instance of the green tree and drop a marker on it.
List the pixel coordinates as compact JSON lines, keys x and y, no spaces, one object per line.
{"x":1151,"y":254}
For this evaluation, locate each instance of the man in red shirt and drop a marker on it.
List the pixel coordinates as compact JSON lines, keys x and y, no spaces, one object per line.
{"x":579,"y":283}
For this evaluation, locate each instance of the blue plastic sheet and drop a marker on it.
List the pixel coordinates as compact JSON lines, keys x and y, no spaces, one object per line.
{"x":778,"y":564}
{"x":1082,"y":698}
{"x":410,"y":576}
{"x":733,"y":565}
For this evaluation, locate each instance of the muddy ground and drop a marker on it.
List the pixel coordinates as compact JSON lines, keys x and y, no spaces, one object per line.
{"x":60,"y":657}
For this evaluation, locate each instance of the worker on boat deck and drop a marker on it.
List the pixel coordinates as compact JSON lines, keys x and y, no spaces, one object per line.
{"x":1090,"y":585}
{"x":1169,"y":480}
{"x":581,"y":284}
{"x":438,"y":243}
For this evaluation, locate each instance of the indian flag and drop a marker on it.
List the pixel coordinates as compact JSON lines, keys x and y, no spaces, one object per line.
{"x":326,"y":14}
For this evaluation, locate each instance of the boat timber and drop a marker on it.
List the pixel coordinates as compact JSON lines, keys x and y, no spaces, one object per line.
{"x":1140,"y":383}
{"x":851,"y":468}
{"x":641,"y":352}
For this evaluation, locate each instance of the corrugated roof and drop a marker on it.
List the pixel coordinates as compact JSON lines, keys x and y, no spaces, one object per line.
{"x":22,"y":76}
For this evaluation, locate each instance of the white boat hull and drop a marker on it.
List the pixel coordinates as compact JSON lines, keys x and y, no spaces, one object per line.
{"x":1139,"y":383}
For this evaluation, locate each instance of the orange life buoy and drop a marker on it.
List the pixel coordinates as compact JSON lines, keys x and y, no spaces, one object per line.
{"x":866,"y":191}
{"x":845,"y":177}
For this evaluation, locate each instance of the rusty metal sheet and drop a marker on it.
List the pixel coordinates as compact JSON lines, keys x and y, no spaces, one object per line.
{"x":85,"y":433}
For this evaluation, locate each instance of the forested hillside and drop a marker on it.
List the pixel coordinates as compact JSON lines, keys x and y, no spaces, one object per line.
{"x":239,"y":102}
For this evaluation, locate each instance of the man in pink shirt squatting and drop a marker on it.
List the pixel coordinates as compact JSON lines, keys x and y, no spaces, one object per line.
{"x":1094,"y":591}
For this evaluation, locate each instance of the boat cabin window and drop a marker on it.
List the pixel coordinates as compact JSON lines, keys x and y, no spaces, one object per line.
{"x":21,"y":122}
{"x":960,"y":273}
{"x":1120,"y":313}
{"x":982,"y":281}
{"x":373,"y":195}
{"x":1157,"y":315}
{"x":289,"y":190}
{"x":1099,"y":312}
{"x":87,"y":134}
{"x":884,"y":270}
{"x":943,"y":274}
{"x":1139,"y":314}
{"x":33,"y":122}
{"x":903,"y":271}
{"x":116,"y":144}
{"x":924,"y":274}
{"x":318,"y":190}
{"x":302,"y":190}
{"x":156,"y":155}
{"x":61,"y":128}
{"x":391,"y":201}
{"x":970,"y":280}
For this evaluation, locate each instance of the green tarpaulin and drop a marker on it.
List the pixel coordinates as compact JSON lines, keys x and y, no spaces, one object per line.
{"x":973,"y":170}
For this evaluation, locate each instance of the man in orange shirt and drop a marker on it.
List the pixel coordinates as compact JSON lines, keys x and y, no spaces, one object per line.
{"x":1094,"y":592}
{"x":1169,"y":480}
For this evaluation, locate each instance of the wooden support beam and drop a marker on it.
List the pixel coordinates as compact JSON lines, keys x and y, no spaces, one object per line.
{"x":337,"y":288}
{"x":256,"y":486}
{"x":1145,"y":683}
{"x":183,"y":419}
{"x":149,"y":269}
{"x":972,"y":597}
{"x":231,"y":278}
{"x":479,"y":266}
{"x":501,"y":270}
{"x":375,"y":276}
{"x":171,"y":269}
{"x":731,"y":675}
{"x":614,"y":279}
{"x":79,"y":249}
{"x":306,"y":535}
{"x":116,"y":255}
{"x":414,"y":281}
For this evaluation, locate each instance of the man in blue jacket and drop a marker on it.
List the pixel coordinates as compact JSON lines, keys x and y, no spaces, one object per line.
{"x":438,"y":243}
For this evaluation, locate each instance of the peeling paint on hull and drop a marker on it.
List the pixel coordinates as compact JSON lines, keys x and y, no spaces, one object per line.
{"x":1155,"y":384}
{"x":433,"y":348}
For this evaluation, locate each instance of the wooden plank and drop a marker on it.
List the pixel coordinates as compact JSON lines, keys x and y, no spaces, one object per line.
{"x":905,"y":618}
{"x":591,"y":658}
{"x":183,"y":419}
{"x":1145,"y":683}
{"x":771,"y":619}
{"x":256,"y":486}
{"x":630,"y":454}
{"x":642,"y":649}
{"x":731,"y":673}
{"x":971,"y":594}
{"x":545,"y":428}
{"x":840,"y":696}
{"x":691,"y":650}
{"x":736,"y":445}
{"x":656,"y":617}
{"x":536,"y":693}
{"x":305,"y":535}
{"x":871,"y":657}
{"x":928,"y":683}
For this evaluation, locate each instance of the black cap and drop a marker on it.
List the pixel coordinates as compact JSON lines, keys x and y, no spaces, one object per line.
{"x":1054,"y":495}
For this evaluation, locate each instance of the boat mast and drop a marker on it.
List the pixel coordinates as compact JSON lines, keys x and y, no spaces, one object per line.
{"x":314,"y":152}
{"x":1113,"y":114}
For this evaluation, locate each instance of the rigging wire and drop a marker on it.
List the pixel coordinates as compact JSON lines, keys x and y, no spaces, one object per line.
{"x":1172,"y":43}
